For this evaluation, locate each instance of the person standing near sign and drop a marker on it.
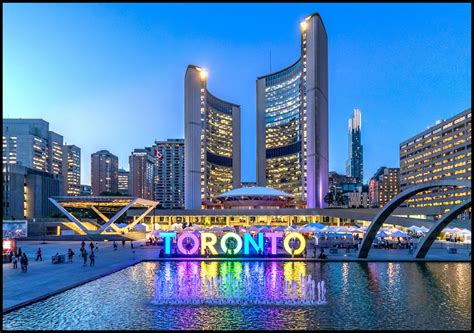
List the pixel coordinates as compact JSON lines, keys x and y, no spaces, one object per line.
{"x":15,"y":262}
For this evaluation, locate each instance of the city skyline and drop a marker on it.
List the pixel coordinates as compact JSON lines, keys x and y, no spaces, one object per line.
{"x":428,"y":55}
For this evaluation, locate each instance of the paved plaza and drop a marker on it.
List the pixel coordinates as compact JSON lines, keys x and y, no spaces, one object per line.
{"x":44,"y":278}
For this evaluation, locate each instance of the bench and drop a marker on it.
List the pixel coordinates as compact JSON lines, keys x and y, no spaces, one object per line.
{"x":58,"y":259}
{"x":452,"y":250}
{"x":333,"y":250}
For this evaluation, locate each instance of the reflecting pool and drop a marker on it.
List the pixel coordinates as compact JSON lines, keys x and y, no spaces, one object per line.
{"x":374,"y":295}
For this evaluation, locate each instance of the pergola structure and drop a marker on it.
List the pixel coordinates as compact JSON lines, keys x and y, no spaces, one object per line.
{"x":103,"y":206}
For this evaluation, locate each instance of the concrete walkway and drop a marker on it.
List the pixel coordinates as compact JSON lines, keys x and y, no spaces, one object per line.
{"x":44,"y":279}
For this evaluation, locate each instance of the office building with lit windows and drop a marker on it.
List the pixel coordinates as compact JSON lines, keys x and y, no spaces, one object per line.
{"x":30,"y":143}
{"x":292,"y":122}
{"x":355,"y":162}
{"x":169,"y":179}
{"x":104,"y":172}
{"x":211,"y":144}
{"x":72,"y":170}
{"x":441,"y":151}
{"x":383,"y":186}
{"x":123,"y":180}
{"x":142,"y":173}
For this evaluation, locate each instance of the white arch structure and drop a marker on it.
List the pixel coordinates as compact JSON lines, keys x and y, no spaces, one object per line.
{"x":434,"y":231}
{"x":393,"y":204}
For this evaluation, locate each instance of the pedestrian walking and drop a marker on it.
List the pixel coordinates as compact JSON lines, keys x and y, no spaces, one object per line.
{"x":10,"y":255}
{"x":131,"y":244}
{"x":38,"y":255}
{"x":115,"y":246}
{"x":19,"y":252}
{"x":25,"y":262}
{"x":84,"y":257}
{"x":123,"y":243}
{"x":15,"y":262}
{"x":92,"y":258}
{"x":96,"y":247}
{"x":91,"y":245}
{"x":83,"y":244}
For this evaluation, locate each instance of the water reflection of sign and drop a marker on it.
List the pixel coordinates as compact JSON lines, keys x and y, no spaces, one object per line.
{"x":208,"y":241}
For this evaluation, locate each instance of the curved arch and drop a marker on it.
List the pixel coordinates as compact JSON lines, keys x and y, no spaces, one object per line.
{"x":393,"y":204}
{"x":434,"y":231}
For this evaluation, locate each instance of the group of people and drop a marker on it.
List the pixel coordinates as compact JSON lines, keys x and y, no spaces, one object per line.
{"x":115,"y":246}
{"x":21,"y":257}
{"x":453,"y":238}
{"x":84,"y":253}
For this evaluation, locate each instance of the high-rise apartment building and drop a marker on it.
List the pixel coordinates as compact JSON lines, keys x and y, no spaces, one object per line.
{"x":441,"y":151}
{"x":355,"y":162}
{"x":123,"y":180}
{"x":169,"y":180}
{"x":383,"y":186}
{"x":292,"y":121}
{"x":211,"y":144}
{"x":71,"y":165}
{"x":142,"y":173}
{"x":104,"y":172}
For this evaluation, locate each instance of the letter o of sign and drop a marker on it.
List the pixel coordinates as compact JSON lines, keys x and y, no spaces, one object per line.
{"x":195,"y":243}
{"x":237,"y":238}
{"x":286,"y":242}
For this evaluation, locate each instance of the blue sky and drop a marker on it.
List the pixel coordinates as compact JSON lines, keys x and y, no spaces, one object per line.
{"x":111,"y":76}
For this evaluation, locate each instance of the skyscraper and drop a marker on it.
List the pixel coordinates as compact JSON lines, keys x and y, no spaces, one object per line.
{"x":142,"y":173}
{"x":104,"y":172}
{"x":292,"y":121}
{"x":123,"y":180}
{"x":72,"y":169}
{"x":211,"y":144}
{"x":169,"y":183}
{"x":355,"y":162}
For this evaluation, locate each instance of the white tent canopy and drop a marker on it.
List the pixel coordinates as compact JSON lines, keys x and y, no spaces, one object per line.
{"x":465,"y":232}
{"x":309,"y":229}
{"x":399,"y":234}
{"x":381,"y":234}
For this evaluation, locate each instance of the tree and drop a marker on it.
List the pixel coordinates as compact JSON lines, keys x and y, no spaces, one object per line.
{"x":335,"y":198}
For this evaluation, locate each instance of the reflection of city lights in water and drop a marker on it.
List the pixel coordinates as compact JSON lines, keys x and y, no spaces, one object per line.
{"x":235,"y":282}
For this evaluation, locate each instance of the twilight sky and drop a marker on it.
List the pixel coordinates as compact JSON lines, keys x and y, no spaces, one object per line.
{"x":111,"y":76}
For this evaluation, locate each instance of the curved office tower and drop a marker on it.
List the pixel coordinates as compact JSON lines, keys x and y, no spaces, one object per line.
{"x":292,"y":121}
{"x":211,"y":144}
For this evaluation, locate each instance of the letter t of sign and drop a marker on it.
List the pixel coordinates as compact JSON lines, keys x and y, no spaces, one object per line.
{"x":274,"y":236}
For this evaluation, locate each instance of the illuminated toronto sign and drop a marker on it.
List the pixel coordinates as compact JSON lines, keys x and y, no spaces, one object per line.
{"x":189,"y":243}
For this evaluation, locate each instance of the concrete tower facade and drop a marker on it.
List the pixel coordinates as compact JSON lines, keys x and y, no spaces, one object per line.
{"x":212,"y":142}
{"x":292,"y":121}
